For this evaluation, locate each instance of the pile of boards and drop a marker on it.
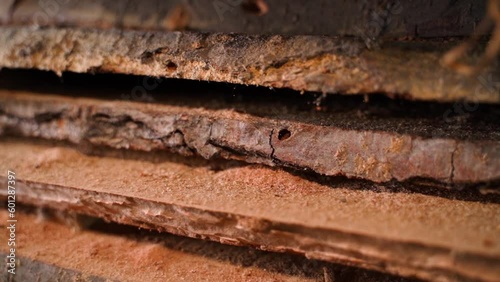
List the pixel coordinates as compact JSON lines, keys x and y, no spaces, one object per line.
{"x":326,"y":139}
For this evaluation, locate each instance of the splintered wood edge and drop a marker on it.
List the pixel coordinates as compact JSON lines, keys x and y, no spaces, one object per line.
{"x":304,"y":63}
{"x":327,"y":150}
{"x":229,"y":224}
{"x":68,"y":251}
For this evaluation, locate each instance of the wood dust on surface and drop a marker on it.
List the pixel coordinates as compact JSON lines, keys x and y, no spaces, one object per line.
{"x":108,"y":252}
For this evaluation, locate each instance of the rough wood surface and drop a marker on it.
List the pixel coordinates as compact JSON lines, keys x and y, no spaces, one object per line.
{"x":54,"y":249}
{"x":402,"y":233}
{"x":305,"y":63}
{"x":367,"y":19}
{"x":267,"y":134}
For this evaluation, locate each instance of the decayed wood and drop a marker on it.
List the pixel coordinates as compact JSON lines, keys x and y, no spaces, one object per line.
{"x":51,"y":250}
{"x":369,"y":19}
{"x":305,"y":63}
{"x":320,"y":142}
{"x":403,"y":233}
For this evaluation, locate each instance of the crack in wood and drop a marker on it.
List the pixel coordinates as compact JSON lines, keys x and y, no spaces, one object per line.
{"x":371,"y":155}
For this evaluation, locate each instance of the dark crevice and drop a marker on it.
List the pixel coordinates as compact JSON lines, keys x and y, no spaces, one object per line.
{"x":452,"y":174}
{"x":255,"y":7}
{"x":177,"y":148}
{"x":170,"y":66}
{"x":456,"y":191}
{"x":48,"y":117}
{"x":239,"y":152}
{"x":284,"y":134}
{"x":273,"y":158}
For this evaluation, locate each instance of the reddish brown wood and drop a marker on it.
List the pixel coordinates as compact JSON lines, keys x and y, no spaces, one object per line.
{"x":407,"y":234}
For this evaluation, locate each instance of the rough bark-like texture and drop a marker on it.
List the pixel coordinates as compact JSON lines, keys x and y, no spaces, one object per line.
{"x":406,"y":234}
{"x":375,"y":155}
{"x":304,"y":63}
{"x":367,"y":19}
{"x":53,"y":250}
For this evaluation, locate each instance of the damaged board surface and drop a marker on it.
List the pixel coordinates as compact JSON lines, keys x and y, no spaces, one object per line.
{"x":332,"y":144}
{"x":91,"y":251}
{"x":430,"y":237}
{"x":409,"y":69}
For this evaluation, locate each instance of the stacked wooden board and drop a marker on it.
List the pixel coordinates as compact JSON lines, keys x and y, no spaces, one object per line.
{"x":97,"y":254}
{"x":401,"y":176}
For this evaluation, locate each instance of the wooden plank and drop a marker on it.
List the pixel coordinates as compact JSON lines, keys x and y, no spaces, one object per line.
{"x":53,"y":250}
{"x":407,"y":234}
{"x":406,"y":69}
{"x":382,"y":150}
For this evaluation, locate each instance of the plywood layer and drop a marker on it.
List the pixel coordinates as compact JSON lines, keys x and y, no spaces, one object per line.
{"x":402,"y":233}
{"x":265,"y":136}
{"x":53,"y":249}
{"x":409,"y":69}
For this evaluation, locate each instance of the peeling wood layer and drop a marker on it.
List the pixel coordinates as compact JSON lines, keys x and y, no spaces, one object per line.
{"x":304,"y":63}
{"x":369,"y":19}
{"x":429,"y":237}
{"x":94,"y":254}
{"x":375,"y":155}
